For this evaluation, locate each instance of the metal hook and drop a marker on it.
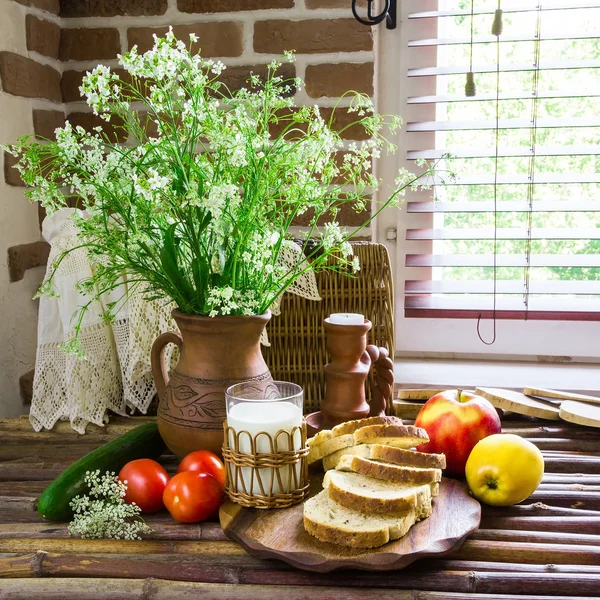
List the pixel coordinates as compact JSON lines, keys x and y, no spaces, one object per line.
{"x":388,"y":13}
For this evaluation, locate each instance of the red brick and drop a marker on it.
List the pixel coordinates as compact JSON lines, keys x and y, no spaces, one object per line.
{"x":236,"y":78}
{"x":45,"y":122}
{"x":334,"y":80}
{"x":42,"y":36}
{"x":87,"y":120}
{"x":218,"y":39}
{"x":89,"y":44}
{"x":346,"y":216}
{"x":215,"y":6}
{"x":112,"y":8}
{"x":51,"y":6}
{"x":331,"y":3}
{"x":69,"y":85}
{"x":71,"y":80}
{"x":26,"y":256}
{"x":25,"y":77}
{"x":311,"y":36}
{"x":342,"y":120}
{"x":11,"y":175}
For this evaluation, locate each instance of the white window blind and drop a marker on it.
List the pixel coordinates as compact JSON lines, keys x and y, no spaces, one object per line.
{"x":519,"y":228}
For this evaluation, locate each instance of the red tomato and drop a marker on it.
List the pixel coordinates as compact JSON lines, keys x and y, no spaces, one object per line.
{"x":203,"y":461}
{"x":146,"y":481}
{"x":191,"y":497}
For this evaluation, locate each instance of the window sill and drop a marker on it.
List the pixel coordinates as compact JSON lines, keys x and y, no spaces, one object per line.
{"x":468,"y":374}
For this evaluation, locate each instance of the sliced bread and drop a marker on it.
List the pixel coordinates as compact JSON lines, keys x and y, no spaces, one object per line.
{"x":330,"y":522}
{"x":314,"y":444}
{"x":331,"y":440}
{"x":400,"y":436}
{"x":401,"y":456}
{"x":352,"y":426}
{"x":388,"y":472}
{"x":390,"y":454}
{"x":330,"y":461}
{"x":376,"y":497}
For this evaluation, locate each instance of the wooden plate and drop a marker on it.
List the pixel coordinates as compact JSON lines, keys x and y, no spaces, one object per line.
{"x":280,"y":534}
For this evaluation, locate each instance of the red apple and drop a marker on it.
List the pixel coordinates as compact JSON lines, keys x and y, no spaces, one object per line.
{"x":455,"y":421}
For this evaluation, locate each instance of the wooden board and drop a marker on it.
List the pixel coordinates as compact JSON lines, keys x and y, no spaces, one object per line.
{"x":406,"y":409}
{"x":421,"y":394}
{"x":557,"y":395}
{"x":280,"y":534}
{"x":580,"y":413}
{"x":519,"y":403}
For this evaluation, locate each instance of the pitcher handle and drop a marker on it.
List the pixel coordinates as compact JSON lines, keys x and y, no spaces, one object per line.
{"x":157,"y":359}
{"x":381,"y":392}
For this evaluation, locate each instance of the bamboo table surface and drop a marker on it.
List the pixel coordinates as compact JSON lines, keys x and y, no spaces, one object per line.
{"x":547,"y":547}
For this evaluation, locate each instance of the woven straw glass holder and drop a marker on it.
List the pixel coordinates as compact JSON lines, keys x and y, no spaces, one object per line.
{"x":251,"y":476}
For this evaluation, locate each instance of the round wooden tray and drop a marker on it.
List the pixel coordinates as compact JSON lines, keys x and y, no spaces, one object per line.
{"x":280,"y":534}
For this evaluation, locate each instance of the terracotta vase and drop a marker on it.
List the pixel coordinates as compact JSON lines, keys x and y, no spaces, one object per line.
{"x":214,"y":354}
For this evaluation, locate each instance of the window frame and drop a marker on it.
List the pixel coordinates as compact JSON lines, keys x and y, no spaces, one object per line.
{"x":552,"y":340}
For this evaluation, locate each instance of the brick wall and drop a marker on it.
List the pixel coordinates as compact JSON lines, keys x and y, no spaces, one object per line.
{"x":64,"y":38}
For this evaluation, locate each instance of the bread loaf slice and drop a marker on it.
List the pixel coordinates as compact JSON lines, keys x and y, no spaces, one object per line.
{"x":400,"y":436}
{"x":388,"y":472}
{"x":331,"y":440}
{"x":390,"y":454}
{"x":330,"y":461}
{"x":352,"y":426}
{"x":376,"y":497}
{"x":315,"y":445}
{"x":401,"y":456}
{"x":330,"y":522}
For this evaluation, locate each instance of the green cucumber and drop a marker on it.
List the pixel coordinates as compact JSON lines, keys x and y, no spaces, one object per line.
{"x":142,"y":442}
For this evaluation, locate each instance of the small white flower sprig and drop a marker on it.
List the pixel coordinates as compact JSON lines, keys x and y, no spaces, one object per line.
{"x":102,"y":513}
{"x":196,"y":206}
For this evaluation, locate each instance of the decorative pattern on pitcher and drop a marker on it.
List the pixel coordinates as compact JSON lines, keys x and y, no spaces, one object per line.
{"x":198,"y":400}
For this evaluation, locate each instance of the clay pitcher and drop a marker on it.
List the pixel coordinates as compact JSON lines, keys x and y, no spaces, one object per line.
{"x":214,"y":354}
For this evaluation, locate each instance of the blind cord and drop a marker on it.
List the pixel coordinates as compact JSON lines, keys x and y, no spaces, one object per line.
{"x":470,"y":89}
{"x":496,"y":30}
{"x":533,"y":139}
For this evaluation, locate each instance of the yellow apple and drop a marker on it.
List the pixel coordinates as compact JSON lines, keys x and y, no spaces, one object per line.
{"x":504,"y":469}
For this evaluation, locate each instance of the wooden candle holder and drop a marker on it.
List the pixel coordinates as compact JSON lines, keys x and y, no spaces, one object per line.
{"x":346,"y":374}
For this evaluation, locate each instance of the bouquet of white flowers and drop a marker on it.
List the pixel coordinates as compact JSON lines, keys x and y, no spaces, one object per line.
{"x":196,"y":206}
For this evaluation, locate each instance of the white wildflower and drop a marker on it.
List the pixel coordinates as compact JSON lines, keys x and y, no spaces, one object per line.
{"x":102,"y":513}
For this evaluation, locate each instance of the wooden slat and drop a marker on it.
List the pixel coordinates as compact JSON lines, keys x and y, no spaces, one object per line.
{"x":502,"y":207}
{"x":502,"y":260}
{"x":502,"y":287}
{"x":487,"y":124}
{"x":487,"y":233}
{"x":504,"y":68}
{"x":513,"y":95}
{"x":504,"y":38}
{"x":508,"y":152}
{"x":516,"y":179}
{"x":157,"y":589}
{"x":451,"y":307}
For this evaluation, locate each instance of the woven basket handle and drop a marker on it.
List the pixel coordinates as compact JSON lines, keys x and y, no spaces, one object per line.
{"x":157,"y":359}
{"x":381,"y":392}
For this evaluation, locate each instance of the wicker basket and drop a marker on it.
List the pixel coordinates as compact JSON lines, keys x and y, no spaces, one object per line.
{"x":298,"y":353}
{"x":252,"y":476}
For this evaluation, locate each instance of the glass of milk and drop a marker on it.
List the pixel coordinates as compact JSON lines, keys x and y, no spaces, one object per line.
{"x":263,"y":416}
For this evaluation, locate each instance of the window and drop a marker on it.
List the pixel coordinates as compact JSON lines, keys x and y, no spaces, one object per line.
{"x":522,"y":218}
